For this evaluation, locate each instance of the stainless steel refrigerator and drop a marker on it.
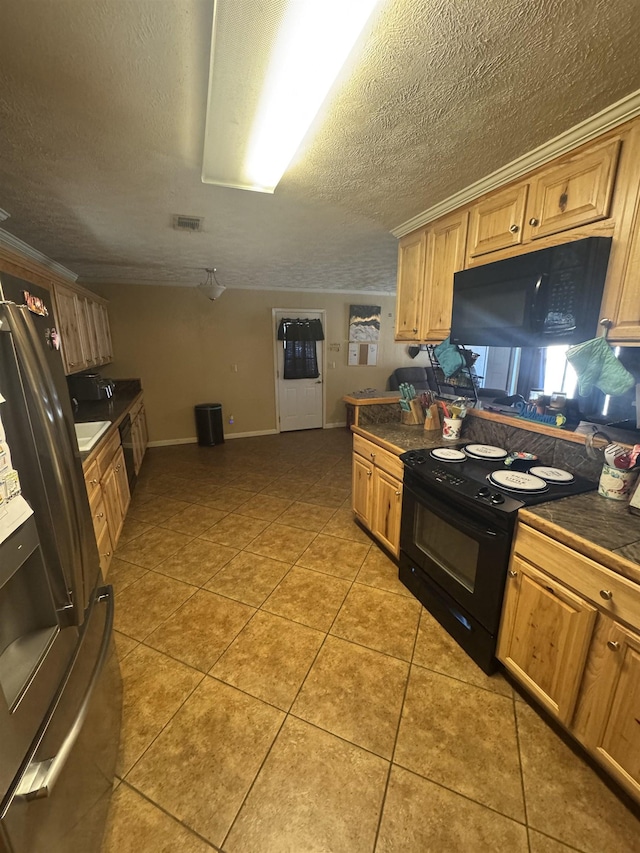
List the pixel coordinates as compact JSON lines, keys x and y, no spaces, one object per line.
{"x":60,"y":686}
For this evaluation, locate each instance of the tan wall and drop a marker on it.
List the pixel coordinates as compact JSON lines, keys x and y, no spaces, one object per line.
{"x":183,"y":347}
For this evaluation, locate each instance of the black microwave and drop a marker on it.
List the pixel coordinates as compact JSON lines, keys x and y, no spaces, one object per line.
{"x":539,"y":299}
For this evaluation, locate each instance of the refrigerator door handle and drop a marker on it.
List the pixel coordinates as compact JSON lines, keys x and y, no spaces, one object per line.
{"x":45,"y":398}
{"x":40,"y":777}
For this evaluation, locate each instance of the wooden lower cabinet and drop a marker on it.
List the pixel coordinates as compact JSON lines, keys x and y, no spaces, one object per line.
{"x":545,"y":636}
{"x":386,"y":510}
{"x":139,"y":435}
{"x":362,"y":489}
{"x":376,"y":494}
{"x":563,"y":638}
{"x":109,"y":496}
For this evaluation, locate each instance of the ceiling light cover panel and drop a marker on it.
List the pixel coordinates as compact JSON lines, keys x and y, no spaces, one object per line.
{"x":241,"y":42}
{"x":272,"y":65}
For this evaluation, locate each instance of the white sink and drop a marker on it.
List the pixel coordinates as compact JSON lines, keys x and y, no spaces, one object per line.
{"x":89,"y":433}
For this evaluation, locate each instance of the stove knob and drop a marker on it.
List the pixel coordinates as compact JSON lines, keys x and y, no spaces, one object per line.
{"x":483,"y":492}
{"x":420,"y":459}
{"x":497,"y":498}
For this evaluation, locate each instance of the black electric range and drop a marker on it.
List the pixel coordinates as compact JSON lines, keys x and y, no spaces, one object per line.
{"x":458,"y":518}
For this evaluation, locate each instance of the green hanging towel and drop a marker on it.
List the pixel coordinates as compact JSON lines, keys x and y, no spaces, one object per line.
{"x":595,"y":364}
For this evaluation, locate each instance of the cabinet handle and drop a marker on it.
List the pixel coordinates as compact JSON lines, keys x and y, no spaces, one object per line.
{"x":533,"y":221}
{"x":117,"y":468}
{"x":369,"y":473}
{"x":94,"y":482}
{"x":108,"y":554}
{"x":100,"y":515}
{"x":606,"y":594}
{"x":514,"y":229}
{"x":512,"y":574}
{"x":415,"y":331}
{"x":372,"y":455}
{"x":615,"y":647}
{"x":398,"y":494}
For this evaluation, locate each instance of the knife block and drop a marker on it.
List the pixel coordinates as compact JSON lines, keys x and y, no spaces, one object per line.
{"x":415,"y":416}
{"x":432,"y":420}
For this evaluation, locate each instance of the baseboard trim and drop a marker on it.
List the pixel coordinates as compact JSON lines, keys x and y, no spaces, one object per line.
{"x":336,"y":425}
{"x":193,"y":440}
{"x":170,"y":441}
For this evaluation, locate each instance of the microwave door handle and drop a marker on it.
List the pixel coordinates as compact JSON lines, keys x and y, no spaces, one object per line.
{"x":451,"y":516}
{"x":539,"y":300}
{"x":45,"y":399}
{"x":40,"y":777}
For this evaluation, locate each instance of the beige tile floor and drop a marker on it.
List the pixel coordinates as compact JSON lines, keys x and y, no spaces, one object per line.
{"x":284,"y":693}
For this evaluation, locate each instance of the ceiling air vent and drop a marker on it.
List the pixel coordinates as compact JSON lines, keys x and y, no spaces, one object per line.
{"x":187,"y":223}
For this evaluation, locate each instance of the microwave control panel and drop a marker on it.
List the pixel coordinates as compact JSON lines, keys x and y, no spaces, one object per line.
{"x":562,"y":297}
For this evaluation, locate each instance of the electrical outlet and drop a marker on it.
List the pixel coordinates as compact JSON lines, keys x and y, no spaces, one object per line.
{"x":333,"y":365}
{"x":234,"y":368}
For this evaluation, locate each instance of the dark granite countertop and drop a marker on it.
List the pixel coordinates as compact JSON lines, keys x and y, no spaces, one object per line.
{"x":403,"y":437}
{"x":602,"y":529}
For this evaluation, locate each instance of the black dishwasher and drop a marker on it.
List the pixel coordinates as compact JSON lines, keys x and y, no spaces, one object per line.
{"x":127,"y":447}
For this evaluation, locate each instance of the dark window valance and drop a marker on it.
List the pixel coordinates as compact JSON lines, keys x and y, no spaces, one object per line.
{"x":300,"y":330}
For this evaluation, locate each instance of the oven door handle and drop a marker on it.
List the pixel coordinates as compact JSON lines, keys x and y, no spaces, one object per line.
{"x":452,"y":516}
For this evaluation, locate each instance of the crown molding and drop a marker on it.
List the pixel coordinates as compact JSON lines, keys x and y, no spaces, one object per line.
{"x":27,"y":252}
{"x":612,"y":116}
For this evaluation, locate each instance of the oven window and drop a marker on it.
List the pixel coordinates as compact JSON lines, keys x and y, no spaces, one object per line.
{"x":455,"y":552}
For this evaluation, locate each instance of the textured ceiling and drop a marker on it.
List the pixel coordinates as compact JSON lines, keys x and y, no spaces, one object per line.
{"x":102,"y":109}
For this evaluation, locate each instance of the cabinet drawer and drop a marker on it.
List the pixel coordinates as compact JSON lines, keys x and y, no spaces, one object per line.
{"x":92,"y":479}
{"x":105,"y":456}
{"x":610,"y":592}
{"x":389,"y":462}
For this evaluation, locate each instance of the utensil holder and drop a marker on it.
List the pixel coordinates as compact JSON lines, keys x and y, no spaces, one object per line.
{"x":616,"y":483}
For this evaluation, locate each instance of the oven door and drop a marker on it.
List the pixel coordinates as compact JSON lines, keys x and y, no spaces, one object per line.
{"x":463,"y":549}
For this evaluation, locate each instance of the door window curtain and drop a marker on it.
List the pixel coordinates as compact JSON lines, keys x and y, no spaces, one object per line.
{"x":300,"y":356}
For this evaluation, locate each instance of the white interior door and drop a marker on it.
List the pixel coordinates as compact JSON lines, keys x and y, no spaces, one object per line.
{"x":299,"y":401}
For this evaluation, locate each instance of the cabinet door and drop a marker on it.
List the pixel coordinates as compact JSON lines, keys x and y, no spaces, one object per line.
{"x":112,"y":503}
{"x":573,"y":193}
{"x":446,"y":242}
{"x":105,"y":551}
{"x":88,"y":337}
{"x":544,"y":636}
{"x":362,"y":489}
{"x":124,"y":495}
{"x":411,"y":255}
{"x":497,"y":221}
{"x":68,"y":320}
{"x":386,"y":510}
{"x":608,"y":714}
{"x":101,"y":318}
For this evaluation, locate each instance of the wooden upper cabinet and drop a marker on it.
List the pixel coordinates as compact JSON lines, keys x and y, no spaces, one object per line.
{"x":575,"y":192}
{"x":497,"y":222}
{"x":69,"y":321}
{"x":446,"y":242}
{"x":84,"y":328}
{"x":411,"y":256}
{"x":544,"y":637}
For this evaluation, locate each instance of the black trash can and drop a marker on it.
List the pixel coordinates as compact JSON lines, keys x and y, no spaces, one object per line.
{"x":209,"y":424}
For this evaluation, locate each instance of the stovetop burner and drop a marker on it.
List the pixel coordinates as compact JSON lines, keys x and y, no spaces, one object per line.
{"x":485,"y":451}
{"x":464,"y":477}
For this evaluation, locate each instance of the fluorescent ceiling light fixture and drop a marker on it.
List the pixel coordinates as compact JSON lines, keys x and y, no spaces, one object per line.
{"x":272,"y":65}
